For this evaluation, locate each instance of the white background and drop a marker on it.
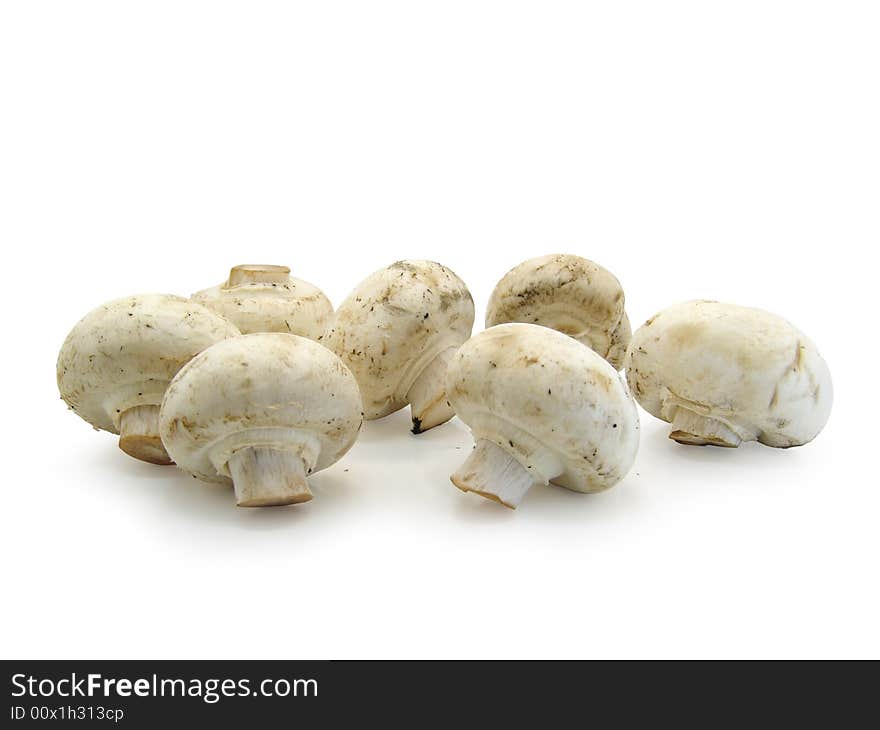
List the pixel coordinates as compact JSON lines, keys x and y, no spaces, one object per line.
{"x":718,"y":150}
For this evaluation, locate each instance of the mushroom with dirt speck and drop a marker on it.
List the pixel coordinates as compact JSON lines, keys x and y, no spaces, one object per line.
{"x":397,"y":331}
{"x":117,"y":361}
{"x":266,"y":298}
{"x":569,"y":294}
{"x":722,"y":374}
{"x":583,"y":436}
{"x":293,"y":411}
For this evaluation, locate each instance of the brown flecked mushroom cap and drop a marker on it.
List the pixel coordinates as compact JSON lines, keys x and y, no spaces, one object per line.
{"x":262,"y":412}
{"x":266,"y":298}
{"x":543,"y":409}
{"x":569,"y":294}
{"x":723,"y":374}
{"x":396,"y":332}
{"x":117,"y":361}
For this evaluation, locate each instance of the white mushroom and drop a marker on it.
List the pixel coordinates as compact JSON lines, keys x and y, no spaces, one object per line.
{"x":261,"y":411}
{"x":543,"y":408}
{"x":722,"y":374}
{"x":397,"y":331}
{"x":116,"y":363}
{"x":569,"y":294}
{"x":265,"y":298}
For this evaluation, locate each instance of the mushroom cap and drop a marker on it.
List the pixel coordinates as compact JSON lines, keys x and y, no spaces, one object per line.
{"x":750,"y":369}
{"x":552,"y":403}
{"x":266,"y":389}
{"x":265,"y":298}
{"x":394,"y":324}
{"x":569,"y":294}
{"x":124,"y":353}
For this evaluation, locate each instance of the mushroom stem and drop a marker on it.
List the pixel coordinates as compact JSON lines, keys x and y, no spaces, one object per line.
{"x":696,"y":430}
{"x":267,"y":477}
{"x":494,"y":474}
{"x":139,"y":435}
{"x":257,"y":273}
{"x":427,"y":395}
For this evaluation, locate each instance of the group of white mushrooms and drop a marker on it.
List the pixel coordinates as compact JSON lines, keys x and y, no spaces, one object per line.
{"x":258,"y":383}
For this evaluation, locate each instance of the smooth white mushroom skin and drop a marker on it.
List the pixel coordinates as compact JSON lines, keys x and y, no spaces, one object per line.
{"x":117,"y":361}
{"x":396,"y":332}
{"x":724,"y":374}
{"x":261,"y":412}
{"x":265,"y":298}
{"x":543,"y":408}
{"x":569,"y":294}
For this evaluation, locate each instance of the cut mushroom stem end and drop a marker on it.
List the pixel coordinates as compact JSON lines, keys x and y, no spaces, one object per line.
{"x":494,"y":474}
{"x":695,"y":430}
{"x":139,"y":435}
{"x":427,"y":395}
{"x":267,"y":477}
{"x":257,"y":274}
